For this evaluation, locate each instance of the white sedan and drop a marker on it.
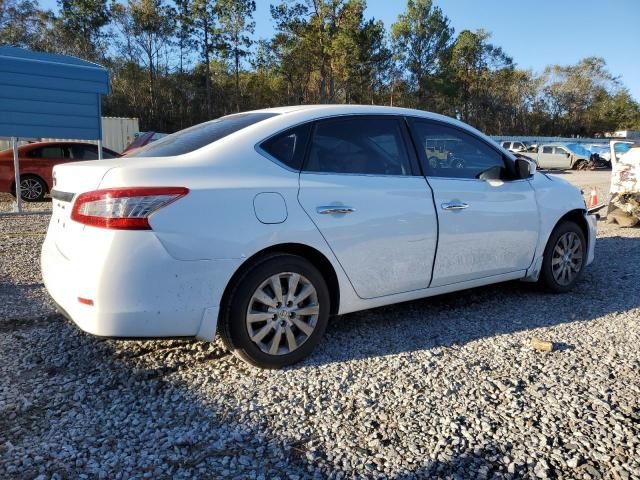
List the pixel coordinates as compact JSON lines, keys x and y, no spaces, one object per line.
{"x":261,"y":225}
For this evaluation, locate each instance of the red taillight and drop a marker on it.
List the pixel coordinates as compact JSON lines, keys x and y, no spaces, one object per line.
{"x":85,"y":301}
{"x":123,"y":208}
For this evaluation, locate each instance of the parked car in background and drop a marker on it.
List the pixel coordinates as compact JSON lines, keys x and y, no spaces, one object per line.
{"x":36,"y":165}
{"x":515,"y":147}
{"x":624,"y":201}
{"x":261,"y":225}
{"x":561,"y":156}
{"x":142,"y":139}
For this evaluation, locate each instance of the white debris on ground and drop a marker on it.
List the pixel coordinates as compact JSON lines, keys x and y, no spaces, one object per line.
{"x":446,"y":387}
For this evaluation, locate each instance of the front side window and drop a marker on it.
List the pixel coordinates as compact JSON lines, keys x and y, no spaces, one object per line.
{"x":198,"y":136}
{"x":84,"y":152}
{"x":561,"y":151}
{"x":359,"y":145}
{"x":288,"y":147}
{"x":462,"y":155}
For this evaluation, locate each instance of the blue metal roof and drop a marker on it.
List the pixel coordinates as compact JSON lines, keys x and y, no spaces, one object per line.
{"x":50,"y":95}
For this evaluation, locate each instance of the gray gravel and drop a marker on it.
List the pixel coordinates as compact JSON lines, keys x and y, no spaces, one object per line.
{"x":445,"y":387}
{"x":7,"y":204}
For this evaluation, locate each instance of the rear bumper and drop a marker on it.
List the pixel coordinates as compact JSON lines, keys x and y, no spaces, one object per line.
{"x":138,"y":290}
{"x":592,"y":222}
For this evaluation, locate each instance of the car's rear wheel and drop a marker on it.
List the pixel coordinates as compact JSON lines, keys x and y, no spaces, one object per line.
{"x":32,"y":188}
{"x":564,"y":257}
{"x":277,"y":312}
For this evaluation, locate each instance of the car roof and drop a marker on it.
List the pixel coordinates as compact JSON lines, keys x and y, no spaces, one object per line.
{"x":30,"y":146}
{"x":56,"y":142}
{"x":323,"y":110}
{"x":314,"y":112}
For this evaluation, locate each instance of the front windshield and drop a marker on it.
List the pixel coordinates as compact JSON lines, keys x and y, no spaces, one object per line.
{"x":579,"y":149}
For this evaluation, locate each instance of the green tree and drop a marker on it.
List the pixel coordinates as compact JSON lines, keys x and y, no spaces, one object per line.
{"x":422,"y":38}
{"x":80,"y":26}
{"x":23,"y":24}
{"x":147,"y":32}
{"x":207,"y":38}
{"x":472,"y":65}
{"x":235,"y":18}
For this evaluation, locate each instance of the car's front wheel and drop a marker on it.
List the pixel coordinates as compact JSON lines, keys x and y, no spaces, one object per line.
{"x":277,"y":312}
{"x":564,"y":257}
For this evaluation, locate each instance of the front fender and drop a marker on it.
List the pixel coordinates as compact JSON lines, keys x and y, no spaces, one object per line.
{"x":556,"y":198}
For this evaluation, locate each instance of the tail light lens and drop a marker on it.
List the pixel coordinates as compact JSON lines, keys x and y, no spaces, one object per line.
{"x":123,"y":208}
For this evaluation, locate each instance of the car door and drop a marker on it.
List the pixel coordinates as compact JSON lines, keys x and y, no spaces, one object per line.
{"x":43,"y":159}
{"x":562,"y":157}
{"x":360,"y":184}
{"x":488,"y":220}
{"x":545,"y":157}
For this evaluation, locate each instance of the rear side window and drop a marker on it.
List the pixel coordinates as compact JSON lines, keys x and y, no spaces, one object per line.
{"x":288,"y":147}
{"x":193,"y":138}
{"x":547,"y":149}
{"x":89,"y":152}
{"x":362,"y":145}
{"x":52,"y":152}
{"x":84,"y":152}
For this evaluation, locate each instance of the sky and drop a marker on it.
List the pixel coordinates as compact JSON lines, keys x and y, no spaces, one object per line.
{"x":535,"y":33}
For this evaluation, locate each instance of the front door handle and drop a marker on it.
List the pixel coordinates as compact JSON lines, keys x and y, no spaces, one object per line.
{"x":454,"y":206}
{"x":335,"y":210}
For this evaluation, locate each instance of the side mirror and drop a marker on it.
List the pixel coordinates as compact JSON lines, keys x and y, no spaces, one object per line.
{"x":567,"y":154}
{"x":525,"y":168}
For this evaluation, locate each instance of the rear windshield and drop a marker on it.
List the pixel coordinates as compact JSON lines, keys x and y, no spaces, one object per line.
{"x":198,"y":136}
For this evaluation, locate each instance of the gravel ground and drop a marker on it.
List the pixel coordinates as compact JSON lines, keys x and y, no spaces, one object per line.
{"x":7,"y":204}
{"x":445,"y":387}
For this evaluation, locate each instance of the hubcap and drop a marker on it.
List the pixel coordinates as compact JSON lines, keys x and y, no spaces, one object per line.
{"x":282,"y":313}
{"x":566,"y":261}
{"x":30,"y":189}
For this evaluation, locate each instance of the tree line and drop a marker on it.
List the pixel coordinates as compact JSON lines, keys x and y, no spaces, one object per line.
{"x":174,"y":63}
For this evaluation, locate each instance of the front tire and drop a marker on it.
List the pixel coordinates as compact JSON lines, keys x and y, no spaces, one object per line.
{"x":277,"y":313}
{"x":564,"y":258}
{"x":580,"y":165}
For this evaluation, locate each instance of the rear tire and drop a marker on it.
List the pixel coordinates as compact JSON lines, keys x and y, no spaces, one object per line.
{"x":277,"y":312}
{"x":564,"y":258}
{"x":32,"y":188}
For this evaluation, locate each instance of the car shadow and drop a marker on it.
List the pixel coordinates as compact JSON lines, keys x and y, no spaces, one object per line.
{"x":468,"y":315}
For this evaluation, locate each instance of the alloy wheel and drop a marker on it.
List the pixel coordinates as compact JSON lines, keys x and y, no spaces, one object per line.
{"x":282,"y":313}
{"x":30,"y":189}
{"x":566,"y":260}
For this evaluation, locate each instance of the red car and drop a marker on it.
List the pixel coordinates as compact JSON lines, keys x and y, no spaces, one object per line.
{"x":36,"y":165}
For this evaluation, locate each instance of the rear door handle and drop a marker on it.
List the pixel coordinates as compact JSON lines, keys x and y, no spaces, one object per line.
{"x":335,"y":210}
{"x":454,"y":206}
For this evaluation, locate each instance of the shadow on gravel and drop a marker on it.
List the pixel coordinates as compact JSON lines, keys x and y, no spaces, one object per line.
{"x":121,"y":409}
{"x":79,"y":404}
{"x":461,"y":317}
